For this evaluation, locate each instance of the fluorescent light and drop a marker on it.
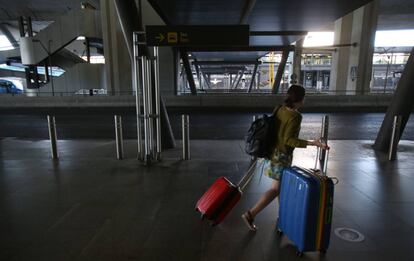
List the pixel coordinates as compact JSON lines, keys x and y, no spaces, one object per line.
{"x":394,"y":38}
{"x":96,"y":59}
{"x":319,"y":39}
{"x":5,"y":43}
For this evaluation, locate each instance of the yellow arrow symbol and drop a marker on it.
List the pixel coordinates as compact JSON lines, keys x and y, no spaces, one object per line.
{"x":160,"y":37}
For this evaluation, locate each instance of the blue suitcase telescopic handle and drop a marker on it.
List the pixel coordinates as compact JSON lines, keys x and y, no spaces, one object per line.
{"x":323,"y":166}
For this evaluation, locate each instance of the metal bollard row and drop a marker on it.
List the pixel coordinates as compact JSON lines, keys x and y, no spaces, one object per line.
{"x":119,"y":137}
{"x":52,"y":136}
{"x":185,"y":123}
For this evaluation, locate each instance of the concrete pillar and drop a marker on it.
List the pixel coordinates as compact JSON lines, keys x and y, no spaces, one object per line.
{"x":352,"y":66}
{"x":340,"y":58}
{"x":297,"y":62}
{"x":117,"y":59}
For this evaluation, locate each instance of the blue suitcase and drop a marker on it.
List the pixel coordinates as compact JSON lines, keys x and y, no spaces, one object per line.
{"x":305,"y":212}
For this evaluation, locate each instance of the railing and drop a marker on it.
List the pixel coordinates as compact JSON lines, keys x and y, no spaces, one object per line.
{"x":309,"y":91}
{"x":62,"y":94}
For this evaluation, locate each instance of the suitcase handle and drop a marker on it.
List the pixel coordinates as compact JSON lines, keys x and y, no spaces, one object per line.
{"x":248,"y":176}
{"x":334,"y":179}
{"x":324,"y":166}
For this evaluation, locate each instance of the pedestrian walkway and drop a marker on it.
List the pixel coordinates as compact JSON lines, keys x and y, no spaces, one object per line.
{"x":90,"y":206}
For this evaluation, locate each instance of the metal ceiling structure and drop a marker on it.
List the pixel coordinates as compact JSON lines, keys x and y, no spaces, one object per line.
{"x":266,"y":17}
{"x":261,"y":15}
{"x":40,"y":10}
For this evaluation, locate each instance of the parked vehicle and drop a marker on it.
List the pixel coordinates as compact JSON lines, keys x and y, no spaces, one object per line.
{"x":9,"y":87}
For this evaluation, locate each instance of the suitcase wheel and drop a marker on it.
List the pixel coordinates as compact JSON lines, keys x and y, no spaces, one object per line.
{"x":323,"y":251}
{"x":279,"y":232}
{"x":203,"y":216}
{"x":299,"y":253}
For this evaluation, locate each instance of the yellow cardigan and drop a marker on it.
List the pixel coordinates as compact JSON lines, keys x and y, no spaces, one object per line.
{"x":287,"y":130}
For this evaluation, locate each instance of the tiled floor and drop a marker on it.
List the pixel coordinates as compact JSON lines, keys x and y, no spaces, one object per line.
{"x":90,"y":206}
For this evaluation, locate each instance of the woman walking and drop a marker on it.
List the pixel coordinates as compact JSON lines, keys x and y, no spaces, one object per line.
{"x":288,"y":121}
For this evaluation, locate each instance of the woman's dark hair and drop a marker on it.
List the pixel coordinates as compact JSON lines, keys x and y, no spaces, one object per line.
{"x":295,"y":94}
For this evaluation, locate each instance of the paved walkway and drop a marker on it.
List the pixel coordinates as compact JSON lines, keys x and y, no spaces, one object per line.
{"x":90,"y":206}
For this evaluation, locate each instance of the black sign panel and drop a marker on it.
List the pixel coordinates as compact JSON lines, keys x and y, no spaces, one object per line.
{"x":198,"y":35}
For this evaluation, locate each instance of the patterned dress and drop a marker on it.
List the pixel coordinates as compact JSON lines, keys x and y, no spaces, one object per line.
{"x":287,"y":131}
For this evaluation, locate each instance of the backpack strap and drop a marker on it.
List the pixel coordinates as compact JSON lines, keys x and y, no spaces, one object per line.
{"x":276,"y":110}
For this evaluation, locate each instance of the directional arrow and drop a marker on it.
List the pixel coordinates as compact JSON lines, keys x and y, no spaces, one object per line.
{"x":160,"y":37}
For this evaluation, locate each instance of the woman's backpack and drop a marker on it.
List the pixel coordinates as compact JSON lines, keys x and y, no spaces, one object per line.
{"x":261,"y":136}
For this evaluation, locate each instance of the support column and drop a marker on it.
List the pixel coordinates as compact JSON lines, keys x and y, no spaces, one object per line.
{"x":130,"y":19}
{"x":198,"y":74}
{"x":297,"y":62}
{"x":363,"y":33}
{"x":117,"y":58}
{"x":280,"y":71}
{"x":188,"y":72}
{"x":253,"y":77}
{"x":401,"y":104}
{"x":352,"y":66}
{"x":340,"y":58}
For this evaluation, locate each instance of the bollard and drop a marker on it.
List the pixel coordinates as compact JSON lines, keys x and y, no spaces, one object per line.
{"x":146,"y":116}
{"x":136,"y":80}
{"x":119,"y":138}
{"x":395,"y":137}
{"x":186,"y":136}
{"x":52,"y":136}
{"x":157,"y":104}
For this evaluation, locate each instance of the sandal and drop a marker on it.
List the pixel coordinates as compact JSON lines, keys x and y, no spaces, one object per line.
{"x":248,"y":220}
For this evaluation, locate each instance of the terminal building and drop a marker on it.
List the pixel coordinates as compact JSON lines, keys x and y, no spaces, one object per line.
{"x":117,"y":115}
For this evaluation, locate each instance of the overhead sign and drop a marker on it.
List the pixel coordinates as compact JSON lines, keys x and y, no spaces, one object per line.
{"x":198,"y":35}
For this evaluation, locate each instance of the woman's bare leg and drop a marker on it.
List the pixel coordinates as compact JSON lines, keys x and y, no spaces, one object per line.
{"x":266,"y":198}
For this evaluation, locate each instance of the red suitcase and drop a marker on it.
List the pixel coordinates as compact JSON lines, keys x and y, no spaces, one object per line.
{"x":221,"y":197}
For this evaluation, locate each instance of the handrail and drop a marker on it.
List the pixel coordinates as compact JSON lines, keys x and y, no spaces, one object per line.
{"x":309,"y":92}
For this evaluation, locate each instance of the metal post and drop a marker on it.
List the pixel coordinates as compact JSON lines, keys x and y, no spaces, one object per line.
{"x":186,"y":136}
{"x":157,"y":104}
{"x":88,"y":50}
{"x":119,"y":138}
{"x":147,"y":155}
{"x":253,"y":77}
{"x":150,"y":107}
{"x":395,"y":137}
{"x":206,"y":80}
{"x":52,"y":136}
{"x":324,"y":137}
{"x":280,"y":72}
{"x":138,"y":94}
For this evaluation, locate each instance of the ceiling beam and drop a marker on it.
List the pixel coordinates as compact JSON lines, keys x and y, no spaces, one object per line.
{"x":9,"y":35}
{"x":278,"y":33}
{"x":256,"y":48}
{"x":248,"y":7}
{"x":159,"y":11}
{"x":226,"y":62}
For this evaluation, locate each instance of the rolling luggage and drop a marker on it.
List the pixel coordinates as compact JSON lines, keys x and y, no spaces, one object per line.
{"x":306,"y":204}
{"x":222,"y":196}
